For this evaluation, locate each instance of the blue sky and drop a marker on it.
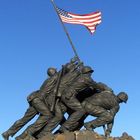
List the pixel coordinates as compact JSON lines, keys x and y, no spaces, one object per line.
{"x":32,"y":39}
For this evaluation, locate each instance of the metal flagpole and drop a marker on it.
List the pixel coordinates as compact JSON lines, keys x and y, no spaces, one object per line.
{"x":74,"y":49}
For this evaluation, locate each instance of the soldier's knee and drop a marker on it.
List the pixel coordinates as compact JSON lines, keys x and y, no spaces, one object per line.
{"x":83,"y":104}
{"x":108,"y":117}
{"x":59,"y":114}
{"x":59,"y":117}
{"x":78,"y":106}
{"x":48,"y":115}
{"x":87,"y":106}
{"x":80,"y":109}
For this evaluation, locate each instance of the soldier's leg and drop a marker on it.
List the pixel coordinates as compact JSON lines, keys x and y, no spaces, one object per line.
{"x":103,"y":116}
{"x":73,"y":119}
{"x":45,"y":116}
{"x":80,"y":123}
{"x":29,"y":114}
{"x":64,"y":110}
{"x":53,"y":123}
{"x":102,"y":120}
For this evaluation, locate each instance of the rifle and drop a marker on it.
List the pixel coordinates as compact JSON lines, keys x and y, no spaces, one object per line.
{"x":56,"y":99}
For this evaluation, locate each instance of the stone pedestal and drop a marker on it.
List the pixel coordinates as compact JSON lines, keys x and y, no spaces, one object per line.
{"x":85,"y":135}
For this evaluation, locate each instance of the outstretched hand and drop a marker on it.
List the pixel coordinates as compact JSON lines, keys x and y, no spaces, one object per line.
{"x":74,"y":59}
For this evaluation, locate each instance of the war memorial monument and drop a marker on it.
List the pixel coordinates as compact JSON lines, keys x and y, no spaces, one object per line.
{"x":71,"y":90}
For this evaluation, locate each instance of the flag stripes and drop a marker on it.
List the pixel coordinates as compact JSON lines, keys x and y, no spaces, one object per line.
{"x":90,"y":20}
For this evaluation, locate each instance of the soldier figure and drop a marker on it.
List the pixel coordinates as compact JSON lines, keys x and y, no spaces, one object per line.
{"x":69,"y":93}
{"x":58,"y":94}
{"x":104,"y":106}
{"x":37,"y":105}
{"x":73,"y":71}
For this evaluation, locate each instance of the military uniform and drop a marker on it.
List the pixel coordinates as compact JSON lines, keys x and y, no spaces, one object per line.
{"x":41,"y":104}
{"x":60,"y":108}
{"x":48,"y":95}
{"x":37,"y":105}
{"x":69,"y":99}
{"x":104,"y":106}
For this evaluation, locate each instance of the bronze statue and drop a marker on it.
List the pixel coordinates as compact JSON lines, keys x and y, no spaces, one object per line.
{"x":103,"y":106}
{"x":70,"y":90}
{"x":68,"y":82}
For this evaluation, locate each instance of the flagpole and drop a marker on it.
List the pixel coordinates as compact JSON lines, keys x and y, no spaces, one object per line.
{"x":69,"y":38}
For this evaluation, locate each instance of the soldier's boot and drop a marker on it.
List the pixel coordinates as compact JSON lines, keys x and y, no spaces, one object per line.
{"x":89,"y":126}
{"x":6,"y":135}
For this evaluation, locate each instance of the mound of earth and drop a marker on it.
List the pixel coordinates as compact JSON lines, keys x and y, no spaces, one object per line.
{"x":85,"y":135}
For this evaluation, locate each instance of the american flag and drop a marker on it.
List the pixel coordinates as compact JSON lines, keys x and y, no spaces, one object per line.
{"x":90,"y":20}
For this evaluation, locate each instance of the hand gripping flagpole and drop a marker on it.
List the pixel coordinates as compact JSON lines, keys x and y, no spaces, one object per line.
{"x":71,"y":43}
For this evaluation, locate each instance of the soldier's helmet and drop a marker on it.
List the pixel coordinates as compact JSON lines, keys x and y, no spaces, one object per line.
{"x":87,"y":69}
{"x":51,"y":71}
{"x":123,"y":97}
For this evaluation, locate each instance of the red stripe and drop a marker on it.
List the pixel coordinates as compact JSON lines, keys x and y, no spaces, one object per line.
{"x":82,"y":23}
{"x":85,"y":14}
{"x":86,"y":21}
{"x":86,"y":18}
{"x":92,"y":21}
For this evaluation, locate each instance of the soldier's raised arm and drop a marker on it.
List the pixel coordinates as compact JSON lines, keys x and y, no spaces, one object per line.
{"x":73,"y":65}
{"x":101,"y":86}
